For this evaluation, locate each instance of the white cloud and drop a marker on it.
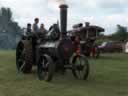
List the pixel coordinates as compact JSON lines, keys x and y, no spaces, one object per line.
{"x":26,"y":10}
{"x":106,"y":13}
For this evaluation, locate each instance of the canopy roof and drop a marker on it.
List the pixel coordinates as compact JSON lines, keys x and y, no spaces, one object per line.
{"x":99,"y":29}
{"x":80,"y":27}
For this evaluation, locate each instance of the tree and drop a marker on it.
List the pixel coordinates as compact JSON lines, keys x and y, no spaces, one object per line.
{"x":9,"y":29}
{"x":121,"y":34}
{"x":7,"y":14}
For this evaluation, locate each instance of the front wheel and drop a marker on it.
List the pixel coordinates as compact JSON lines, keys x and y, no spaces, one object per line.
{"x":80,"y":67}
{"x":45,"y":68}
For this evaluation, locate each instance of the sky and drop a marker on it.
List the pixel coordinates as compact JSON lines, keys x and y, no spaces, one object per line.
{"x":104,"y":13}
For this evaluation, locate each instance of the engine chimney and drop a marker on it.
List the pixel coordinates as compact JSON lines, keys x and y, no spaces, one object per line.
{"x":63,"y":18}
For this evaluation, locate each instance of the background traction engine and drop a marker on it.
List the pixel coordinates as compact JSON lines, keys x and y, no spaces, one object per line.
{"x":88,"y":35}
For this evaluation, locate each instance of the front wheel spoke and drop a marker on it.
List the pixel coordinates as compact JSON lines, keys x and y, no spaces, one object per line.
{"x":44,"y":65}
{"x":22,"y":66}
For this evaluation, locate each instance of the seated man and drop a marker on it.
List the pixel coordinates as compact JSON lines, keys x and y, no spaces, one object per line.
{"x":42,"y":31}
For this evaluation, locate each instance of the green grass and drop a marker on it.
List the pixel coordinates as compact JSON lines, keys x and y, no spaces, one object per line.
{"x":108,"y":77}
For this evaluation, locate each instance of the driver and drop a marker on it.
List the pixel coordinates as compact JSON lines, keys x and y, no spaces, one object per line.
{"x":42,"y":29}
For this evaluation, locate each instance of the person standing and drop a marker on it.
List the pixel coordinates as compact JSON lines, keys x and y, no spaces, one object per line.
{"x":35,"y":37}
{"x":35,"y":25}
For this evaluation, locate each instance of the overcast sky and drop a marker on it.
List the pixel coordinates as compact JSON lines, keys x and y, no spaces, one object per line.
{"x":105,"y":13}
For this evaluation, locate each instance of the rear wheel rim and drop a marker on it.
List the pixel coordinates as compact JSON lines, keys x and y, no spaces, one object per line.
{"x":20,"y":58}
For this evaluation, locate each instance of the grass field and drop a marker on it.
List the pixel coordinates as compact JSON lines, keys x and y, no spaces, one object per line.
{"x":108,"y":77}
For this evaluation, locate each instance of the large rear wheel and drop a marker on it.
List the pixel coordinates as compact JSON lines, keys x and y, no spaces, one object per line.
{"x":24,"y":57}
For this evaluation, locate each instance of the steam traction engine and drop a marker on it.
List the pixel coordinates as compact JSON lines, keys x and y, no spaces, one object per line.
{"x":57,"y":51}
{"x":88,"y":34}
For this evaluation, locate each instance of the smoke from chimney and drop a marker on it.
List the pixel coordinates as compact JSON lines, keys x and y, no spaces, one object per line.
{"x":61,"y":1}
{"x":58,"y":2}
